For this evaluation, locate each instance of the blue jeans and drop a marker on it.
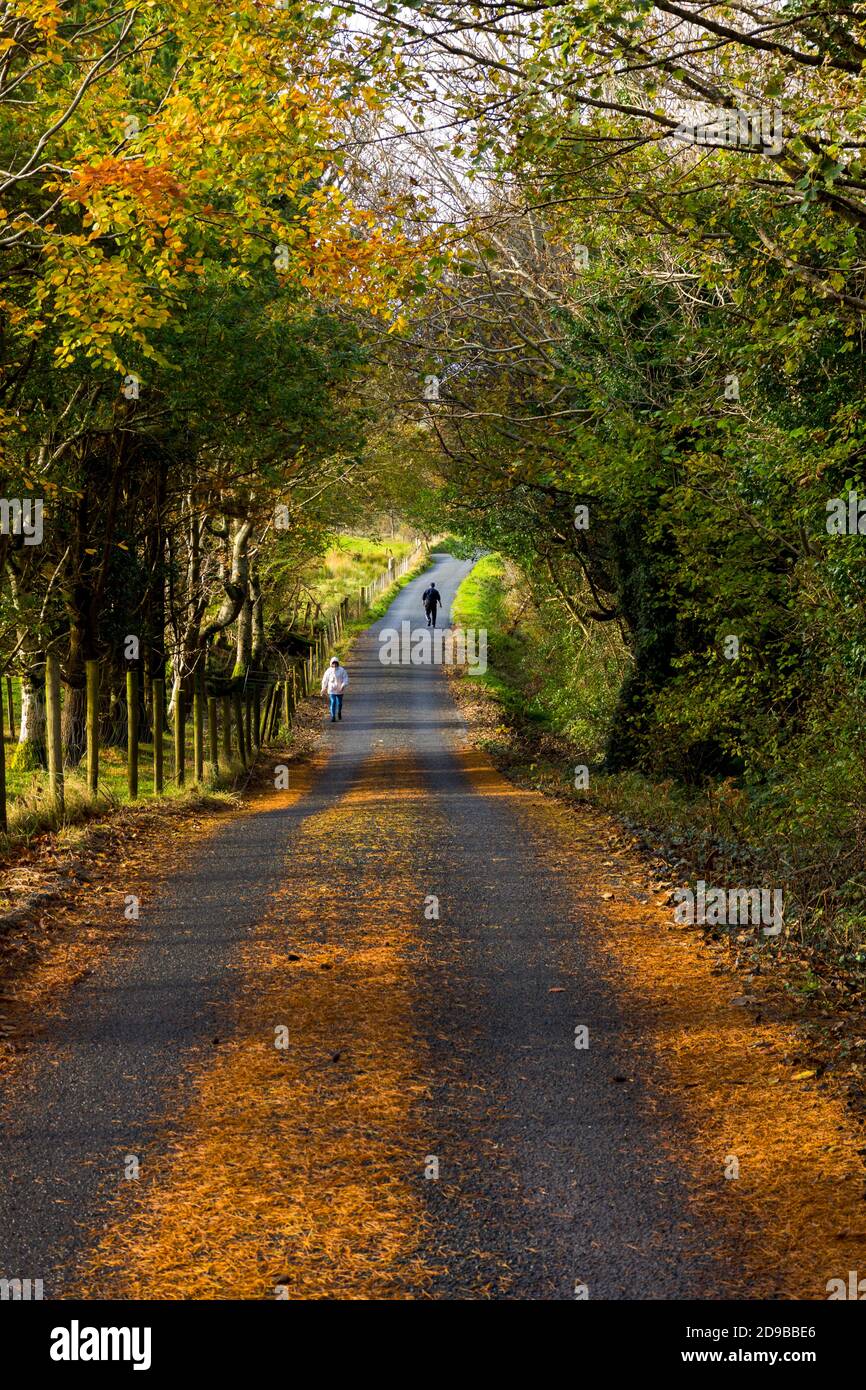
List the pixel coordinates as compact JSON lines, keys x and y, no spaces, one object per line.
{"x":336,"y":706}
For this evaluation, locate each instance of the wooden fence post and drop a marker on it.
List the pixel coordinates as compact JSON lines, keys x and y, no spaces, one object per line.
{"x":212,"y":736}
{"x":198,"y":725}
{"x":157,"y":689}
{"x":179,"y":739}
{"x":238,"y":708}
{"x":266,"y":717}
{"x":91,"y":682}
{"x":256,"y":739}
{"x":4,"y":825}
{"x":52,"y":720}
{"x":132,"y":733}
{"x":11,"y":703}
{"x":227,"y":729}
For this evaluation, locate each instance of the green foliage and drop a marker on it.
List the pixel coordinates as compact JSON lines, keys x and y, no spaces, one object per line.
{"x":457,"y":546}
{"x":547,"y":673}
{"x":801,"y":827}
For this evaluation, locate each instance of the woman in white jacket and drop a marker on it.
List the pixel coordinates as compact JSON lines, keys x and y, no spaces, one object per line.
{"x":334,"y":682}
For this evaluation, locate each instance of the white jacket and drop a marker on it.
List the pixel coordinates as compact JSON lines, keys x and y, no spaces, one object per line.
{"x":335,"y":680}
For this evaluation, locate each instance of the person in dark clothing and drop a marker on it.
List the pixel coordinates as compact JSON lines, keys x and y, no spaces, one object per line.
{"x":432,"y":600}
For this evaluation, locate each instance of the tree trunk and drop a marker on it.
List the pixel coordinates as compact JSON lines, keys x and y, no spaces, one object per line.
{"x":158,"y":688}
{"x":227,"y":729}
{"x":132,"y":733}
{"x":238,"y":712}
{"x":10,"y":699}
{"x":213,"y":744}
{"x":32,"y":749}
{"x":74,"y":725}
{"x":198,"y":700}
{"x":244,"y":639}
{"x":54,"y":738}
{"x":114,"y":728}
{"x":3,"y":823}
{"x":257,"y":654}
{"x":92,"y":720}
{"x":180,"y":738}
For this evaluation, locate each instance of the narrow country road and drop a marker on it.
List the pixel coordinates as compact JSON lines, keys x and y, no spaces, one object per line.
{"x":431,"y":1129}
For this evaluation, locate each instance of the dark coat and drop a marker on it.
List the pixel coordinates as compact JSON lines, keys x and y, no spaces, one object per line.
{"x":431,"y":597}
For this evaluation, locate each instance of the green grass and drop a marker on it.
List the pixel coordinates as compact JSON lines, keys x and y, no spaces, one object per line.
{"x":112,"y":770}
{"x":30,"y":810}
{"x":481,"y":603}
{"x":480,"y":599}
{"x":352,"y":562}
{"x":546,"y":675}
{"x":33,"y":813}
